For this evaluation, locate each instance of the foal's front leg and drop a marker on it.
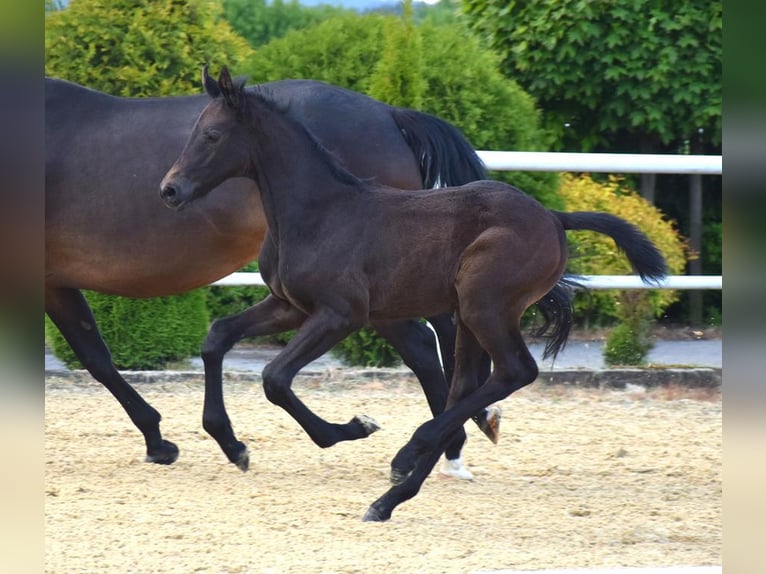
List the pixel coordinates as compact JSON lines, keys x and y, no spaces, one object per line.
{"x":317,"y":335}
{"x":268,"y":317}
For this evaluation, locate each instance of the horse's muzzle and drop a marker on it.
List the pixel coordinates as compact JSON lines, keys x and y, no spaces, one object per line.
{"x":172,"y":196}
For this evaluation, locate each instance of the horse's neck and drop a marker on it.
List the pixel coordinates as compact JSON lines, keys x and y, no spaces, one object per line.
{"x":297,"y":183}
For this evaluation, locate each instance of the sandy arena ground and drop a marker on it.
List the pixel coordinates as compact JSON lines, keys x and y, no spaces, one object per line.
{"x":580,"y":478}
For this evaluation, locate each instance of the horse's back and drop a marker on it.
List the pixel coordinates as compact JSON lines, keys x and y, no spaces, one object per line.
{"x":354,"y":127}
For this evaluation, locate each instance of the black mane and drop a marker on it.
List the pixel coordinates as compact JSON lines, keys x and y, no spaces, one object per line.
{"x":264,"y":96}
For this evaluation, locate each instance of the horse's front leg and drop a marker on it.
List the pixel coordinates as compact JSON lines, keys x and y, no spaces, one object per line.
{"x":319,"y":333}
{"x":268,"y":317}
{"x":70,"y":312}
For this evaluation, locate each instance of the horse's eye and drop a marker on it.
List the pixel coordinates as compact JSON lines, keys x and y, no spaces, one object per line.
{"x":212,"y":135}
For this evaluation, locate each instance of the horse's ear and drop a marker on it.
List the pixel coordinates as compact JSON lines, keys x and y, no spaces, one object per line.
{"x":210,"y":85}
{"x":232,"y":93}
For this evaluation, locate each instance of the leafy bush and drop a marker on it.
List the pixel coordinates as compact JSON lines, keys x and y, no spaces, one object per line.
{"x":142,"y":333}
{"x":628,"y":343}
{"x":626,"y":346}
{"x":139,"y":47}
{"x":366,"y":348}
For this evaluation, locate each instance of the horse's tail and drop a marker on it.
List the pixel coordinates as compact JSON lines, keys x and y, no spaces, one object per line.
{"x":444,"y":155}
{"x":556,"y":310}
{"x":556,"y":306}
{"x":646,"y":260}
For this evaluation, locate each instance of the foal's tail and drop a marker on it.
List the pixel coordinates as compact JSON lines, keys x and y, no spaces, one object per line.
{"x":556,"y":306}
{"x":445,"y":157}
{"x":646,"y":260}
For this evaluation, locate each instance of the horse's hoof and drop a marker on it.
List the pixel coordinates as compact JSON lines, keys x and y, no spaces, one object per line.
{"x":490,"y":425}
{"x":455,"y":469}
{"x":166,"y":454}
{"x":243,"y":461}
{"x":237,"y":454}
{"x":368,"y":424}
{"x":374,"y":515}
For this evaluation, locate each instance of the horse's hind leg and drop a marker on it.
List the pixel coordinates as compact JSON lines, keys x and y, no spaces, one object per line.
{"x":70,"y":312}
{"x":317,"y":335}
{"x":268,"y":317}
{"x":468,"y":367}
{"x":514,"y":368}
{"x":415,"y":344}
{"x":488,"y":420}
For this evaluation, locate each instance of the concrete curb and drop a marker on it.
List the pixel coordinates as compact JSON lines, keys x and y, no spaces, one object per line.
{"x":586,"y":378}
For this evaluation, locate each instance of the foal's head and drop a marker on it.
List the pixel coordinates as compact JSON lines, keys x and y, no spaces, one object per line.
{"x":217,"y":148}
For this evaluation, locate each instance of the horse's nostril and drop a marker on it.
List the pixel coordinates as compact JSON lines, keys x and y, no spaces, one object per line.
{"x":168,"y":192}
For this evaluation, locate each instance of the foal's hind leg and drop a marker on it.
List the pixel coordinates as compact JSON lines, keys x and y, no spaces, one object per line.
{"x":488,"y":420}
{"x":468,"y":367}
{"x":415,"y":344}
{"x":70,"y":312}
{"x":317,"y":335}
{"x":268,"y":317}
{"x":514,"y":368}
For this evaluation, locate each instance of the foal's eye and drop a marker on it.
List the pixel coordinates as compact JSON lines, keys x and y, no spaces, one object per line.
{"x":212,"y":135}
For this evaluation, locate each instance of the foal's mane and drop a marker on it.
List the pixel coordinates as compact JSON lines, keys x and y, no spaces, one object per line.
{"x":264,"y":97}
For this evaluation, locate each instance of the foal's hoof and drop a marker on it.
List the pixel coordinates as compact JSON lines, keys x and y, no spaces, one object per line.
{"x":238,"y":455}
{"x":374,"y":515}
{"x":243,"y":461}
{"x":369,"y":425}
{"x":166,"y":454}
{"x":490,"y":424}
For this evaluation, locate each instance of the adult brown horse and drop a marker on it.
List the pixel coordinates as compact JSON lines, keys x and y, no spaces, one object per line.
{"x":340,"y":254}
{"x":106,"y":231}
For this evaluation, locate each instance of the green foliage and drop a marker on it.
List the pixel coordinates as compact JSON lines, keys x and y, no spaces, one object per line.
{"x":625,"y":346}
{"x":53,"y":5}
{"x":341,"y":50}
{"x":398,"y":77}
{"x":596,"y":254}
{"x":647,"y":67}
{"x":463,"y":84}
{"x":142,"y":333}
{"x":443,"y":12}
{"x":139,"y":47}
{"x":259,"y":21}
{"x":367,"y":348}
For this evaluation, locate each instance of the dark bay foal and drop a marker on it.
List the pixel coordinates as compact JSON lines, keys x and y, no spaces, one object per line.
{"x":343,"y":252}
{"x":105,"y":230}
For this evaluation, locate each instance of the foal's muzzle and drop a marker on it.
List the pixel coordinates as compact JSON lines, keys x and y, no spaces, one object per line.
{"x":176,"y":192}
{"x":171,"y":196}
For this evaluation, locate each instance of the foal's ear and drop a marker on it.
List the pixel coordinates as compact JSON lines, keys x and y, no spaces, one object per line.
{"x":210,"y":85}
{"x":232,"y":92}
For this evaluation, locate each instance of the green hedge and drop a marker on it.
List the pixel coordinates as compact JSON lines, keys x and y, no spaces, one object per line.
{"x":142,"y":334}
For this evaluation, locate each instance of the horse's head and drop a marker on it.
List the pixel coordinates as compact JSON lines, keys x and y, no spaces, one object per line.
{"x":217,"y":148}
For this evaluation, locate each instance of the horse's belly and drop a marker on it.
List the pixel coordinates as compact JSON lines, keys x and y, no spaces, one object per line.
{"x":410,"y":300}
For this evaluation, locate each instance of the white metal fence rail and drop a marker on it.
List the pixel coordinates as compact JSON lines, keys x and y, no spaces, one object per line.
{"x":590,"y":281}
{"x":588,"y":162}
